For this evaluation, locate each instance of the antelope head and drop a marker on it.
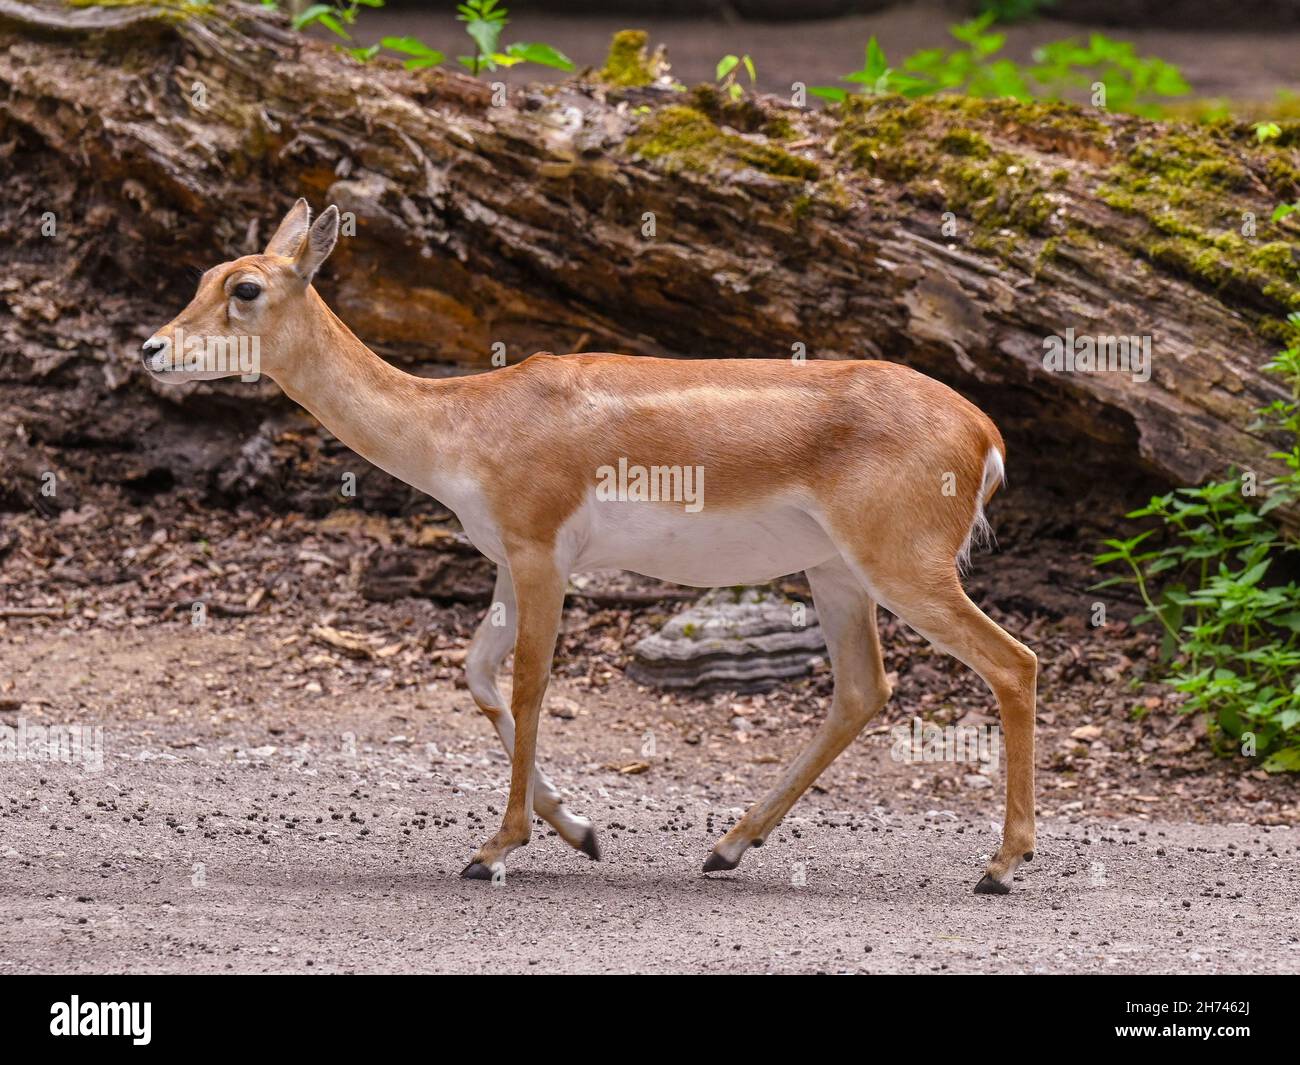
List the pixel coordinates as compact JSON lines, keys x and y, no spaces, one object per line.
{"x":253,"y":315}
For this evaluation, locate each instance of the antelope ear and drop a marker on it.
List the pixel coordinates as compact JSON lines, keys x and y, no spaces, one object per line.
{"x":321,"y":239}
{"x":288,"y":238}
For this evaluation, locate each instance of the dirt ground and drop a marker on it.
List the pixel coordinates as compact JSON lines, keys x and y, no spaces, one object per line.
{"x":325,"y":833}
{"x":269,"y":802}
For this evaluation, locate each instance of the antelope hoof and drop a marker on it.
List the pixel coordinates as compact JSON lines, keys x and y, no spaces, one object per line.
{"x":476,"y":871}
{"x":989,"y":886}
{"x":716,"y":863}
{"x":589,"y":846}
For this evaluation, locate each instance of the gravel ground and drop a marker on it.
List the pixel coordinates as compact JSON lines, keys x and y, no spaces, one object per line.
{"x":325,"y":831}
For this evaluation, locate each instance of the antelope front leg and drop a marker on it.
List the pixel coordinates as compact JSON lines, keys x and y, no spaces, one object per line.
{"x":539,"y":594}
{"x":492,"y":642}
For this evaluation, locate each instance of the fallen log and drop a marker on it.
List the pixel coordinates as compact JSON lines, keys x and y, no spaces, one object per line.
{"x":957,"y":235}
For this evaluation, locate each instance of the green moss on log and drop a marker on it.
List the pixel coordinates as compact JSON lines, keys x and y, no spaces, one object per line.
{"x":1016,"y":172}
{"x":627,"y":64}
{"x":1194,"y":187}
{"x":181,"y":8}
{"x":965,"y":142}
{"x":993,"y":164}
{"x":683,"y":138}
{"x":949,"y":166}
{"x":744,"y":113}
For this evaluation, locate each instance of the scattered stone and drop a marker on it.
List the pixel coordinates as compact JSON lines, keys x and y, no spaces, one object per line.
{"x":562,"y":707}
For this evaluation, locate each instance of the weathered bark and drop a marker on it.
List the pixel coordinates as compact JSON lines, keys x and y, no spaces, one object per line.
{"x":164,"y":143}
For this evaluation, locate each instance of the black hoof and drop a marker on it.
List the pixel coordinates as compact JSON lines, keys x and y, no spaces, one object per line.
{"x":589,"y":846}
{"x":716,"y":863}
{"x":989,"y":886}
{"x":1029,"y":856}
{"x":476,"y":871}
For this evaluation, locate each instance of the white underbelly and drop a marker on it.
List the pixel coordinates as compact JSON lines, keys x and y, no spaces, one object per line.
{"x":707,"y":548}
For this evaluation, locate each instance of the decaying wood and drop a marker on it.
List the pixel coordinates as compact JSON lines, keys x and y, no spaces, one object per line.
{"x":31,"y":612}
{"x":161,"y":142}
{"x":444,"y":576}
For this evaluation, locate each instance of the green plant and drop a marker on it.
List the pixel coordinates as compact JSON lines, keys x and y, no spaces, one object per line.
{"x":1231,"y":634}
{"x":1266,"y":131}
{"x":1283,"y":210}
{"x":338,"y":18}
{"x":1131,"y":81}
{"x":876,"y":76}
{"x":335,"y":18}
{"x":728,"y":68}
{"x":973,"y":70}
{"x":484,"y":20}
{"x":419,"y":54}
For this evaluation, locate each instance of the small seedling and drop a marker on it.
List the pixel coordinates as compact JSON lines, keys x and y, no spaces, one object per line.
{"x":729,"y":67}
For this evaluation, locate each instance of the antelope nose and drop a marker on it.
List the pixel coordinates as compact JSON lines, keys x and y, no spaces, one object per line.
{"x":149,"y":349}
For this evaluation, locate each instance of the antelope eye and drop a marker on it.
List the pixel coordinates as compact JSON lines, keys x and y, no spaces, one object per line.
{"x":247,"y":291}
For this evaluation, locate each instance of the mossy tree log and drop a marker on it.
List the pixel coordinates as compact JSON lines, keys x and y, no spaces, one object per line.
{"x":630,"y":217}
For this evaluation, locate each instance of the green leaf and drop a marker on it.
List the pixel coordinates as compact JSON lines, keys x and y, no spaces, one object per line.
{"x":332,"y":24}
{"x":485,"y":35}
{"x":412,"y":46}
{"x":875,"y":65}
{"x":310,"y":15}
{"x":1253,"y":575}
{"x":1230,"y":722}
{"x":726,"y":65}
{"x":542,"y":54}
{"x":1266,"y":131}
{"x":970,"y":32}
{"x":1284,"y":761}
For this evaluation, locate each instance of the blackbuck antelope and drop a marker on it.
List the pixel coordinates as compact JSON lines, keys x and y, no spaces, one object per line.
{"x":868,"y":476}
